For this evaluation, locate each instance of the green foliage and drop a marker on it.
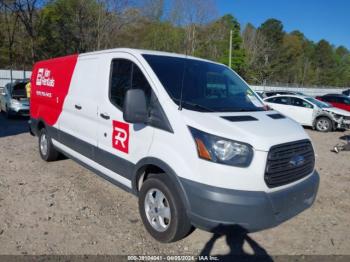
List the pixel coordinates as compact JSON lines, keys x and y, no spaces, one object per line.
{"x":263,"y":55}
{"x":214,"y":42}
{"x":69,"y":26}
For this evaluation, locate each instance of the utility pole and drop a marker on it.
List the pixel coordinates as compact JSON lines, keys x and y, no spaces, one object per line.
{"x":230,"y":52}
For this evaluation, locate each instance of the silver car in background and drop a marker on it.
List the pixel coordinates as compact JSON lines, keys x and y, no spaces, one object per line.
{"x":14,"y":100}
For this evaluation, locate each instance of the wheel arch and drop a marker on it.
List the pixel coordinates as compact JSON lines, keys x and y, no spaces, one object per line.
{"x":36,"y":125}
{"x":326,"y":116}
{"x":151,"y":165}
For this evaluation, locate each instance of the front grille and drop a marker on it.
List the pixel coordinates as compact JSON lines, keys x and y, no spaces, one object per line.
{"x":23,"y":112}
{"x":289,"y":162}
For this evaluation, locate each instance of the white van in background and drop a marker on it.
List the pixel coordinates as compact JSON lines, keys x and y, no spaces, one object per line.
{"x":185,"y":135}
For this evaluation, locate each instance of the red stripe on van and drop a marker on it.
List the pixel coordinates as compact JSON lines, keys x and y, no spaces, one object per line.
{"x":50,"y":83}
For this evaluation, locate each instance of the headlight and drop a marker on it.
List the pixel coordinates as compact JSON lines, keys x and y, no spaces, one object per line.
{"x":15,"y":102}
{"x":222,"y":150}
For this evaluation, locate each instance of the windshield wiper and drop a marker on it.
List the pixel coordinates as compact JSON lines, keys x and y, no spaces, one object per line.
{"x":228,"y":109}
{"x":193,"y":105}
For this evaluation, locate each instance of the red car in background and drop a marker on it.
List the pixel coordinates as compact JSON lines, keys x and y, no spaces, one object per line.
{"x":336,"y":100}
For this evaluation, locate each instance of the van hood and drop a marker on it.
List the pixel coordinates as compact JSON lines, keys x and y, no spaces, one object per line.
{"x":337,"y":111}
{"x":258,"y":129}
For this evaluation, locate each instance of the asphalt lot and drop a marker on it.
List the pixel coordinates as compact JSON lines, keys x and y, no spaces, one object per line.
{"x":62,"y":208}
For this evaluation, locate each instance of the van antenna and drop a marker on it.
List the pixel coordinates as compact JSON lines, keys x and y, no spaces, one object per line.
{"x":182,"y":85}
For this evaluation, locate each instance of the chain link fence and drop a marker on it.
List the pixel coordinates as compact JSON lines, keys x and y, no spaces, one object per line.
{"x":311,"y":91}
{"x":8,"y":76}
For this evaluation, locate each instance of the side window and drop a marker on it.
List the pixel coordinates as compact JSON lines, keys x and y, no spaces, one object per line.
{"x":139,"y":81}
{"x":343,"y":100}
{"x":307,"y":105}
{"x":125,"y":75}
{"x":300,"y":103}
{"x":120,"y":81}
{"x":325,"y":98}
{"x":278,"y":100}
{"x":331,"y":99}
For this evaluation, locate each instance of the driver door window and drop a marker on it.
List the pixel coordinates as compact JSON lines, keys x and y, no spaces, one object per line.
{"x":125,"y":75}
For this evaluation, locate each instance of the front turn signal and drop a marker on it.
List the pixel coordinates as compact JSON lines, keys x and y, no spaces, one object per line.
{"x":202,"y":150}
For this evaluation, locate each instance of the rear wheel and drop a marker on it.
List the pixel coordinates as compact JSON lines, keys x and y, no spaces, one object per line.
{"x":162,"y":211}
{"x":324,"y":124}
{"x":46,"y":148}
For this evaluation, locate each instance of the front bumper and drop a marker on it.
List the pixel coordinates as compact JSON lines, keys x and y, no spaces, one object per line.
{"x":22,"y":110}
{"x":342,"y":123}
{"x":211,"y":207}
{"x":345,"y":124}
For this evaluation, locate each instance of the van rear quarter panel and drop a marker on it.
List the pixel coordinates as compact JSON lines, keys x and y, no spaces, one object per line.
{"x":50,"y":83}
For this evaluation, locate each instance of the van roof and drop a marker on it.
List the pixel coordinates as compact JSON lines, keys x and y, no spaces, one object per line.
{"x":143,"y":52}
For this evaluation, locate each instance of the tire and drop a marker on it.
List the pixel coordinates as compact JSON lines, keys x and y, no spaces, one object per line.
{"x":166,"y":220}
{"x":324,"y":124}
{"x":7,"y":113}
{"x":46,"y":148}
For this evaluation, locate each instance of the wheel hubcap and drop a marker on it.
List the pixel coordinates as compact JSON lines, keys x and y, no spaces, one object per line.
{"x":157,"y":210}
{"x":322,"y":125}
{"x":43,"y":144}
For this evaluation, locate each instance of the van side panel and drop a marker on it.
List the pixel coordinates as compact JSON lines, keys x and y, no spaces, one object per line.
{"x":50,"y":83}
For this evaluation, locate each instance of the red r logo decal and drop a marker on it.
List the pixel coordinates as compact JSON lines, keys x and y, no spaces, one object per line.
{"x":120,"y":136}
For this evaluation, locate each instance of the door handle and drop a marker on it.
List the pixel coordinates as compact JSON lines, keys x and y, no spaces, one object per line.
{"x":78,"y":107}
{"x":104,"y":116}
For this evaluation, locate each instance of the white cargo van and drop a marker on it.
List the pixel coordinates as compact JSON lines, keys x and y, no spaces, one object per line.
{"x":185,"y":135}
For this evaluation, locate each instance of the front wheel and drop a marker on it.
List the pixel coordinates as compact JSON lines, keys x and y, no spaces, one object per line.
{"x":324,"y":124}
{"x":162,"y":211}
{"x":7,"y":113}
{"x":46,"y":148}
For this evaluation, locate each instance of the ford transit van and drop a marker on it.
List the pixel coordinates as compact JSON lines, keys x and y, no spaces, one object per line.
{"x":187,"y":136}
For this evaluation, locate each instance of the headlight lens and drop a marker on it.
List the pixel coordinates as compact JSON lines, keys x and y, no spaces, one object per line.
{"x":222,"y":150}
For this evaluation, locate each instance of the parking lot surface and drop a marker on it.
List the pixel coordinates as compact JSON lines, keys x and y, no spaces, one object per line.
{"x":62,"y":208}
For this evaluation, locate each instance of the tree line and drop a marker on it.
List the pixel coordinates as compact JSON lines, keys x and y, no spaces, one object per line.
{"x":34,"y":30}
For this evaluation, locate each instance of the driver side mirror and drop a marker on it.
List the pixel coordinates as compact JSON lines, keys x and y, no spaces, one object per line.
{"x":135,"y":107}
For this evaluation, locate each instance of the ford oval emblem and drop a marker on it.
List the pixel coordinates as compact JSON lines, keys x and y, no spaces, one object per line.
{"x":297,"y":160}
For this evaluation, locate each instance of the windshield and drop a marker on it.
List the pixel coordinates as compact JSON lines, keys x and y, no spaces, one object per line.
{"x":318,"y":102}
{"x":205,"y":86}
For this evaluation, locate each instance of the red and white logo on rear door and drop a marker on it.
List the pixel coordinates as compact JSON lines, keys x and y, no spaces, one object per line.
{"x":120,"y":136}
{"x":44,"y":78}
